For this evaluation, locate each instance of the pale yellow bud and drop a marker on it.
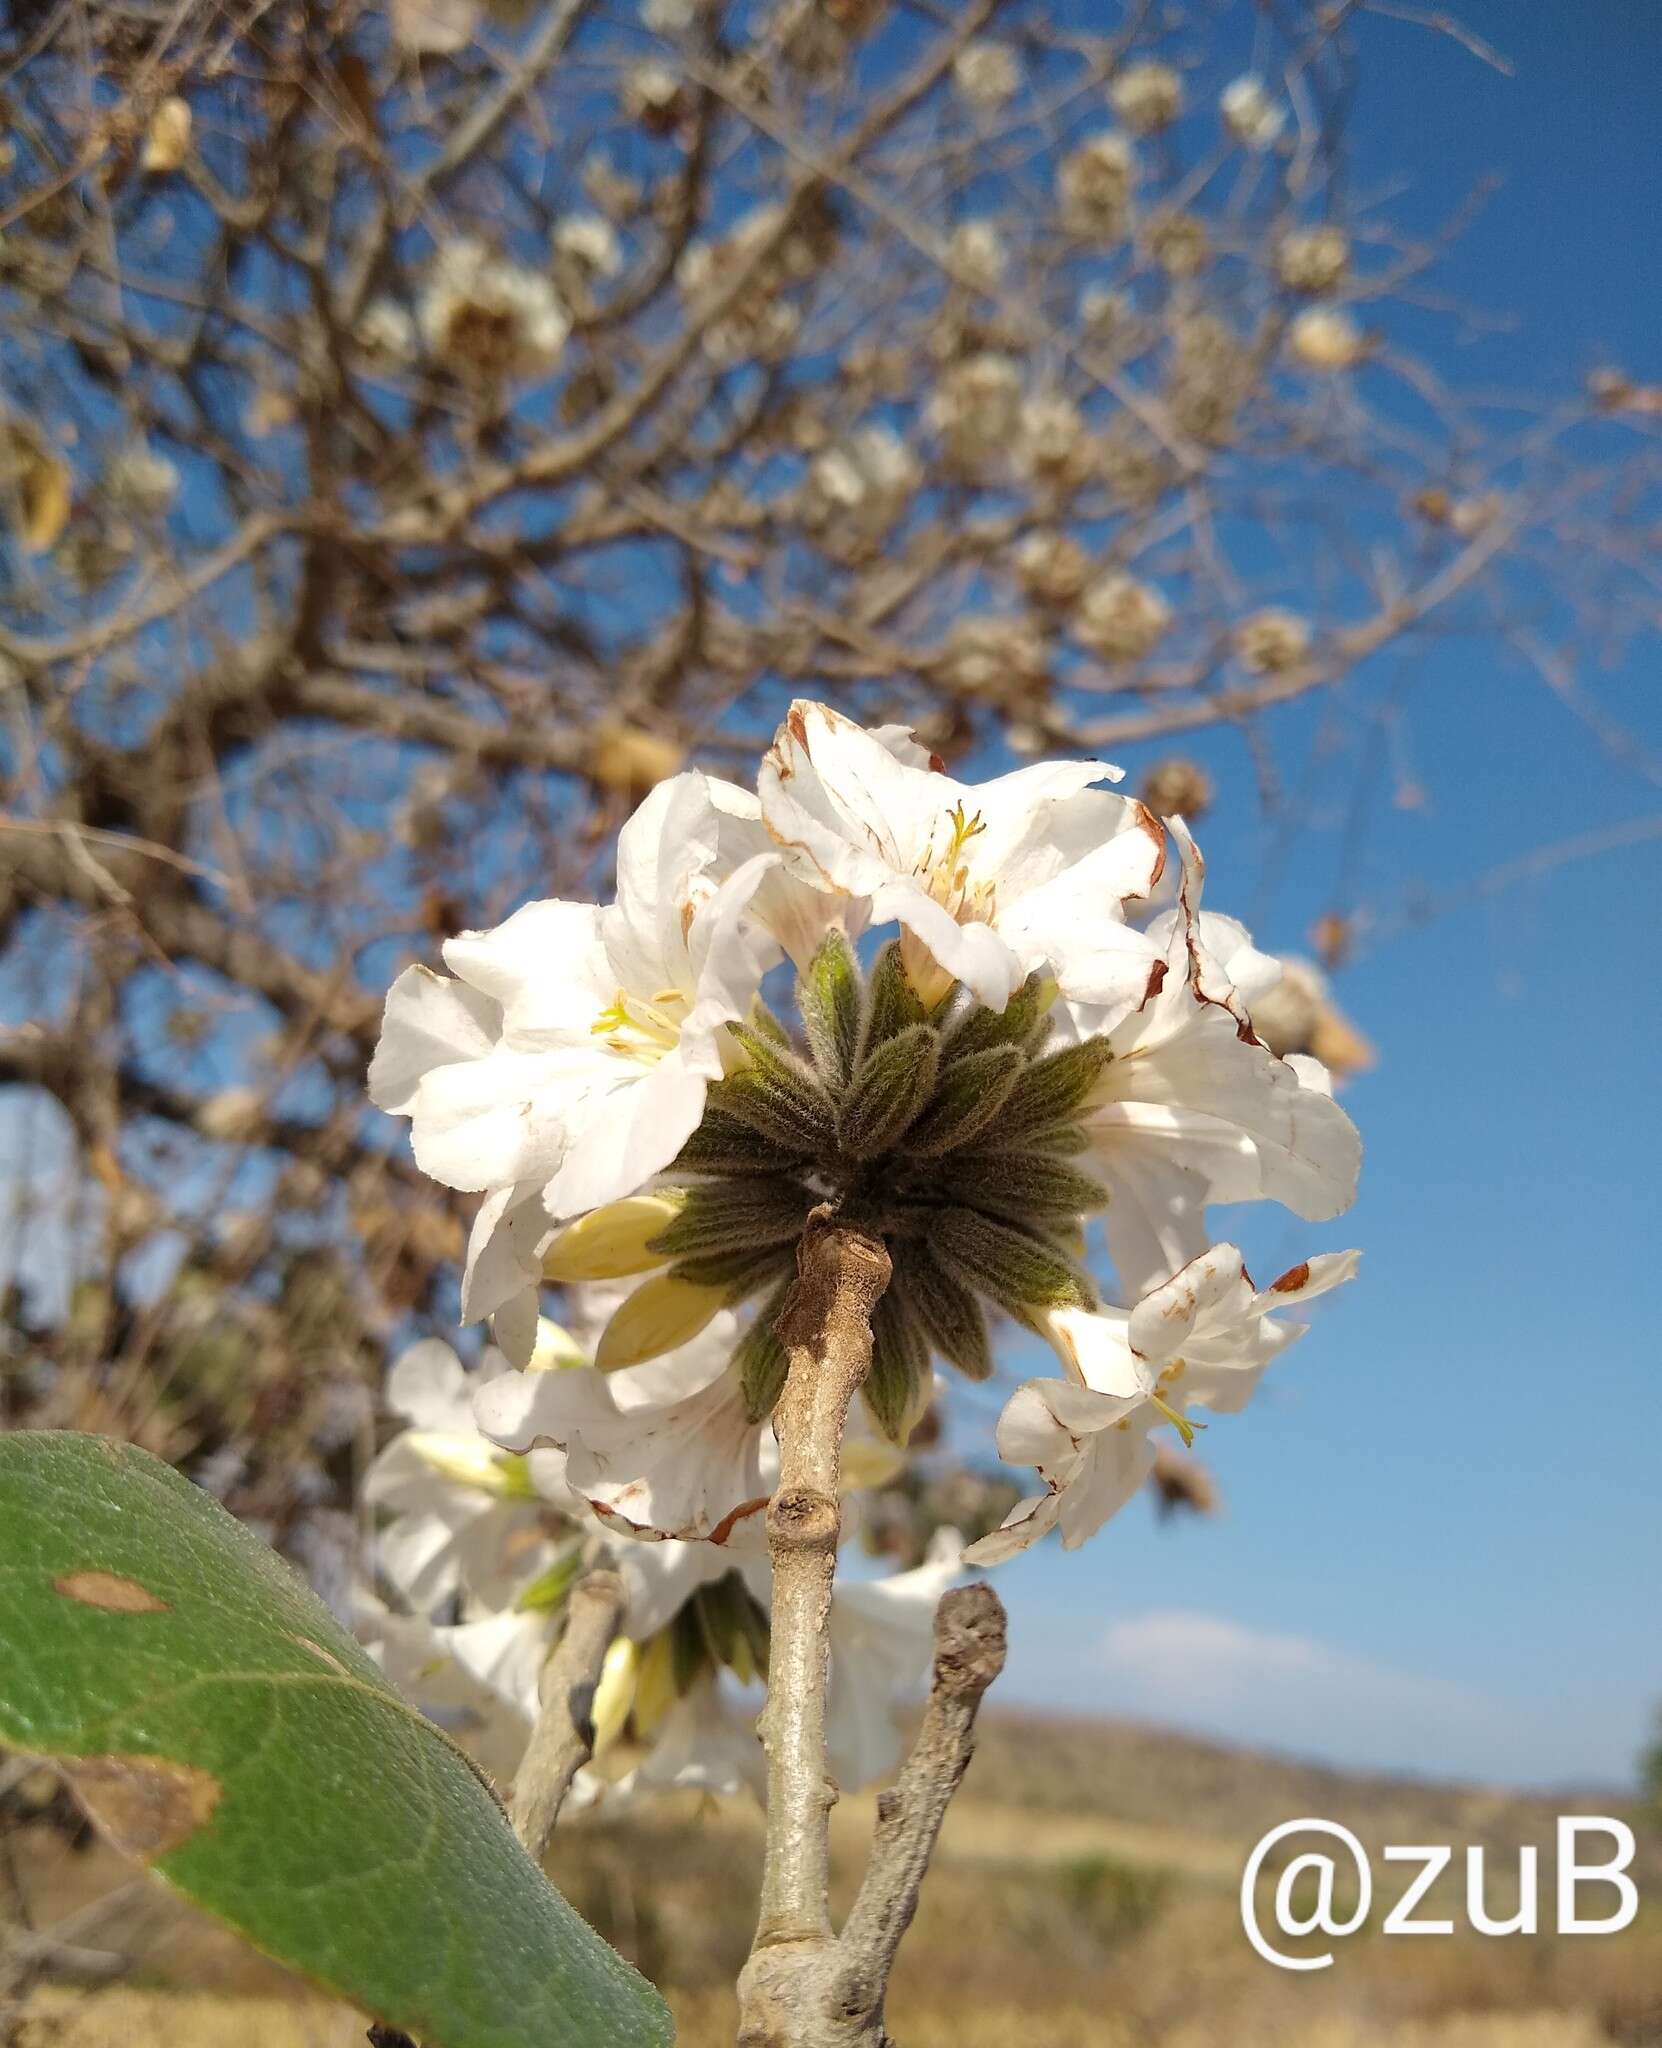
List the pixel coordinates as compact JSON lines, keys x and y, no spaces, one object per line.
{"x":167,"y":141}
{"x":556,"y":1350}
{"x":866,"y":1463}
{"x":661,"y":1315}
{"x":471,"y":1461}
{"x":611,"y":1243}
{"x":655,"y":1691}
{"x":615,"y":1694}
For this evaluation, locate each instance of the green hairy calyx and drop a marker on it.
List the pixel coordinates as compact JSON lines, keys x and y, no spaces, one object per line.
{"x":948,"y":1134}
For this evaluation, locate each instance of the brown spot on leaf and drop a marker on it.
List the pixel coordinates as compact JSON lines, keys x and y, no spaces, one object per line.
{"x":1293,"y":1280}
{"x":108,"y":1590}
{"x":322,"y":1655}
{"x":145,"y":1806}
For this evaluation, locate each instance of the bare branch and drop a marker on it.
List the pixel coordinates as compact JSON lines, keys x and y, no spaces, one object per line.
{"x":563,"y":1739}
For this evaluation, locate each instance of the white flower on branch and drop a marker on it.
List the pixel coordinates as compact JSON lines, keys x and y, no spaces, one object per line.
{"x":977,"y":255}
{"x":1121,"y":618}
{"x":987,"y":74}
{"x":989,"y":880}
{"x":1094,"y":184}
{"x":1313,"y":260}
{"x":1192,"y":1109}
{"x":1326,"y":338}
{"x":1271,"y":641}
{"x":1249,"y":112}
{"x":486,"y":319}
{"x":1201,"y":1340}
{"x":1147,"y":96}
{"x":976,"y":410}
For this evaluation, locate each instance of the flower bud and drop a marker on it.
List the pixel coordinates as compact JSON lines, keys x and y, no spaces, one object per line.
{"x":832,"y":1000}
{"x":614,"y":1696}
{"x":891,"y":1086}
{"x":471,"y":1461}
{"x":611,"y":1243}
{"x":661,"y":1315}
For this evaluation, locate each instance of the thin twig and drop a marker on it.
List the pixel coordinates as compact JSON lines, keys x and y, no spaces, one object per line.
{"x":969,"y":1655}
{"x":563,"y":1739}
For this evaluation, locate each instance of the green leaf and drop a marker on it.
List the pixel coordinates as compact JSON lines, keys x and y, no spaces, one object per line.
{"x":892,"y":1004}
{"x":1025,"y":1187}
{"x":831,"y":997}
{"x":1018,"y":1271}
{"x":218,"y":1722}
{"x":739,"y":1215}
{"x":890,"y":1087}
{"x":726,"y":1145}
{"x":1052,"y":1090}
{"x":896,"y":1390}
{"x":760,"y":1360}
{"x":969,"y":1094}
{"x":778,"y":1095}
{"x":948,"y":1312}
{"x":1015,"y":1024}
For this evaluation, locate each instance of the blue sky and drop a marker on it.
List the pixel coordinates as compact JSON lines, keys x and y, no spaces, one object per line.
{"x":1441,"y":1541}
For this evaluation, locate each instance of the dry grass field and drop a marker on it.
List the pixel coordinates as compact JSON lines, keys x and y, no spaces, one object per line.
{"x":1084,"y":1897}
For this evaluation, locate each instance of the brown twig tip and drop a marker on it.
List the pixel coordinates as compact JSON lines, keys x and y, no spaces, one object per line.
{"x":971,"y":1638}
{"x":835,"y":1261}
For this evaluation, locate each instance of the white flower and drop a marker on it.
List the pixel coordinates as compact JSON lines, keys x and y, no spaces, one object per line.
{"x":881,"y":1633}
{"x":989,"y":881}
{"x":661,"y":1450}
{"x":387,"y":331}
{"x":142,"y":482}
{"x":465,"y":1517}
{"x":1121,"y":618}
{"x":976,"y":409}
{"x":1193,"y":1109}
{"x":986,"y":73}
{"x":1313,"y":260}
{"x":1053,"y":447}
{"x":1093,"y":185}
{"x":1202,"y":1339}
{"x":1271,"y":641}
{"x":1249,"y":113}
{"x":1324,"y":338}
{"x":977,"y":255}
{"x":486,"y":318}
{"x":1147,"y":96}
{"x":859,"y":486}
{"x":575,"y":1044}
{"x":590,"y":243}
{"x":707,"y":1742}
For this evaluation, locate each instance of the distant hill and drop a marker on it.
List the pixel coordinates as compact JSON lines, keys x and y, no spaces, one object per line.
{"x":1085,"y":1896}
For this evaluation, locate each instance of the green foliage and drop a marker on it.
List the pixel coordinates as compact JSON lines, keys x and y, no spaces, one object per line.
{"x":726,"y":1144}
{"x":1119,"y":1899}
{"x":777,"y":1095}
{"x":1016,"y":1270}
{"x":970,"y":1093}
{"x":747,"y":1213}
{"x":1026,"y":1188}
{"x":896,"y":1390}
{"x":1052,"y":1090}
{"x":218,"y":1722}
{"x":945,"y":1309}
{"x":832,"y":999}
{"x":892,"y":1004}
{"x":890,"y":1087}
{"x":761,"y":1362}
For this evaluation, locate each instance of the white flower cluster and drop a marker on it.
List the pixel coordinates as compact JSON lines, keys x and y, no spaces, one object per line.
{"x":478,"y":1551}
{"x":1034,"y":1049}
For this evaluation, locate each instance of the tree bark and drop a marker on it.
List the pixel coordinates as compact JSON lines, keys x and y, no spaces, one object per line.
{"x":804,"y":1986}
